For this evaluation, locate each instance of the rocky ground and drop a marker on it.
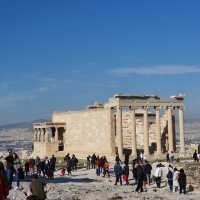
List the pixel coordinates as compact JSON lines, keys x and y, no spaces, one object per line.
{"x":85,"y":185}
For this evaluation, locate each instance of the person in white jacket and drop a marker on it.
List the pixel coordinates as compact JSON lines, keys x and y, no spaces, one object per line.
{"x":158,"y":175}
{"x":175,"y":180}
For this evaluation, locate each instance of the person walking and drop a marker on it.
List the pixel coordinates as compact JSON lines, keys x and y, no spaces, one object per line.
{"x":170,"y":178}
{"x":182,"y":181}
{"x":118,"y":172}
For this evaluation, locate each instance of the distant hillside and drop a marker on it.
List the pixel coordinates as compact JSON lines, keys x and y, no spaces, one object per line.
{"x":23,"y":125}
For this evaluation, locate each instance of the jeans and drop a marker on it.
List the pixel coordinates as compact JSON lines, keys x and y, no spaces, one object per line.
{"x":170,"y":183}
{"x":98,"y":171}
{"x":17,"y":178}
{"x":158,"y":181}
{"x":139,"y":185}
{"x":183,"y":187}
{"x":118,"y":179}
{"x":9,"y":173}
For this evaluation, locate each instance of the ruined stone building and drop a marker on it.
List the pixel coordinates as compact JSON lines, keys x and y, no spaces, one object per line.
{"x":126,"y":123}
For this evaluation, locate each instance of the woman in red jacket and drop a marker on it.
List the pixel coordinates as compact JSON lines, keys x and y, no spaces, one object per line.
{"x":4,"y":186}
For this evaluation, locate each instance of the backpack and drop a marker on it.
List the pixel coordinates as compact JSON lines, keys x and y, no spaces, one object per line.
{"x":170,"y":175}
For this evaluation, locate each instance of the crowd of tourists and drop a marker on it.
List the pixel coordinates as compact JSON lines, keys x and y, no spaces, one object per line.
{"x":143,"y":176}
{"x":70,"y":164}
{"x":12,"y":169}
{"x":101,"y":165}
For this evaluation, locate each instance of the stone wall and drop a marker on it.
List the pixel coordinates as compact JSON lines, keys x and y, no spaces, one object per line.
{"x":127,"y":129}
{"x":86,"y":132}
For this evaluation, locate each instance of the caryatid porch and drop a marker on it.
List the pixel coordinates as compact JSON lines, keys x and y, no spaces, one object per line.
{"x":50,"y":135}
{"x":169,"y":105}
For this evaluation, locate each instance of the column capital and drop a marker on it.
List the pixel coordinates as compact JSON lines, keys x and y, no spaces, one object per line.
{"x":181,"y":108}
{"x":146,"y":108}
{"x":157,"y":108}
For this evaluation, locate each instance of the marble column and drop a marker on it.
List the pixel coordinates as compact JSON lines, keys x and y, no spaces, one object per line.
{"x":146,"y":133}
{"x":56,"y":134}
{"x":158,"y":131}
{"x":181,"y":130}
{"x":35,"y":134}
{"x":43,"y":134}
{"x":119,"y":131}
{"x":46,"y":135}
{"x":170,"y":130}
{"x":134,"y":147}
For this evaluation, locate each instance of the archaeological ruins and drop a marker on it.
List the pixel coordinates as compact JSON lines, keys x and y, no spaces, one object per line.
{"x":125,"y":124}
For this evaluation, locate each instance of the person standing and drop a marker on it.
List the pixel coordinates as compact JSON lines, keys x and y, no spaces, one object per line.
{"x":158,"y":175}
{"x":52,"y":165}
{"x":195,"y":157}
{"x":26,"y":166}
{"x":147,"y":171}
{"x":182,"y":181}
{"x":88,"y":162}
{"x":9,"y":168}
{"x":118,"y":172}
{"x":167,"y":157}
{"x":170,"y":178}
{"x":97,"y":163}
{"x":106,"y":169}
{"x":140,"y":177}
{"x":126,"y":173}
{"x":4,"y":185}
{"x":17,"y":166}
{"x":175,"y":180}
{"x":37,"y":189}
{"x":93,"y":161}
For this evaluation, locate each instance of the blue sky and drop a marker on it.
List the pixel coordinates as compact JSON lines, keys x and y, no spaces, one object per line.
{"x":64,"y":55}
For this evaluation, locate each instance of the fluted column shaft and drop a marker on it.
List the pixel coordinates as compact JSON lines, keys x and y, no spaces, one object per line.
{"x":35,"y":134}
{"x":158,"y":132}
{"x":56,"y":134}
{"x":46,"y":135}
{"x":170,"y":130}
{"x":119,"y":131}
{"x":146,"y":133}
{"x":181,"y":130}
{"x":134,"y":147}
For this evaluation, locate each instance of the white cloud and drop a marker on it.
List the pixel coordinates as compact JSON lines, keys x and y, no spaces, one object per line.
{"x":157,"y":70}
{"x":43,"y":89}
{"x":10,"y":100}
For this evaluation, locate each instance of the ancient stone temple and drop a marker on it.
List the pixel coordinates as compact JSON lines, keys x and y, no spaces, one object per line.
{"x":125,"y":124}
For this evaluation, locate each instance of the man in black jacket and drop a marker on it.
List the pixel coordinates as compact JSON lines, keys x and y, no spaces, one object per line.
{"x":140,"y":177}
{"x":182,"y":181}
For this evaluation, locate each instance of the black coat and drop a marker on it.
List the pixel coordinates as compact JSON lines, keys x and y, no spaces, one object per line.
{"x":182,"y":179}
{"x":140,"y":172}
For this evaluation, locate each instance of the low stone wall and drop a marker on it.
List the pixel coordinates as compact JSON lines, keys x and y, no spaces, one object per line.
{"x":192,"y":171}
